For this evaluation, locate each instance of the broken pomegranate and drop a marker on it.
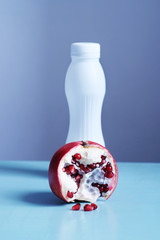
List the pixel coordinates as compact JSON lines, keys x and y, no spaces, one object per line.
{"x":82,"y":171}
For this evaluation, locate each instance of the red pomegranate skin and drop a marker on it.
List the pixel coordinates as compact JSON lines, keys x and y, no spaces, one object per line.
{"x":54,"y":182}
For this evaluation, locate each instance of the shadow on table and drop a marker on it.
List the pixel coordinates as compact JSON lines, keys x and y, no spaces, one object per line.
{"x":41,"y":199}
{"x":24,"y":171}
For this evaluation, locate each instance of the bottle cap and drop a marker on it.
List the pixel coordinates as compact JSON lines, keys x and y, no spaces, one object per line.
{"x":85,"y":49}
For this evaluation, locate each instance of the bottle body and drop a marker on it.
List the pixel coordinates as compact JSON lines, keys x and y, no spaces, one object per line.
{"x":85,"y":90}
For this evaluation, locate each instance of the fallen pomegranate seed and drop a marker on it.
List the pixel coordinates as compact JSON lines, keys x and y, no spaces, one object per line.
{"x":94,"y":206}
{"x":109,"y":168}
{"x":77,"y":156}
{"x":88,"y":207}
{"x":76,"y":207}
{"x":69,"y":194}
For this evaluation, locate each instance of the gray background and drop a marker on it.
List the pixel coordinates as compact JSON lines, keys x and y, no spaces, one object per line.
{"x":35,"y":38}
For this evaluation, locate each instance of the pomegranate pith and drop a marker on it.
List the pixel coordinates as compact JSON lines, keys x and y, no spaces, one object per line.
{"x":82,"y":171}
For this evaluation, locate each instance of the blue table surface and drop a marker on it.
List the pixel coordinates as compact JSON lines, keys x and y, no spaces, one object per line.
{"x":29,"y":210}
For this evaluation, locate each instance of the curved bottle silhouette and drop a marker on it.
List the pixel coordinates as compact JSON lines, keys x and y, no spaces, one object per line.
{"x":85,"y":89}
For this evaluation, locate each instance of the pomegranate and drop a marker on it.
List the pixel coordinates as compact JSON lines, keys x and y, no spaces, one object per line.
{"x":82,"y":171}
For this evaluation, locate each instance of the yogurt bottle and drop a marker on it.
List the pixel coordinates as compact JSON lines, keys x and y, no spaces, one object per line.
{"x":85,"y":90}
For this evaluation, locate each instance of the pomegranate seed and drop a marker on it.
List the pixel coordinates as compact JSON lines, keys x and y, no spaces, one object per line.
{"x":72,"y":169}
{"x":103,"y":157}
{"x":73,"y":160}
{"x":88,"y":207}
{"x":92,"y":165}
{"x":95,"y":185}
{"x":76,"y":207}
{"x":77,"y":156}
{"x":105,"y":189}
{"x":69,"y":194}
{"x":89,"y":168}
{"x":86,"y":170}
{"x":108,"y":163}
{"x":78,"y":177}
{"x":109,"y":168}
{"x":109,"y":174}
{"x":101,"y":189}
{"x":67,"y":170}
{"x":103,"y":161}
{"x":81,"y":166}
{"x":94,"y":206}
{"x":63,"y":169}
{"x":104,"y":169}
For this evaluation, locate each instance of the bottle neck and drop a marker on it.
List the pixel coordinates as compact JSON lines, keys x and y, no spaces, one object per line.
{"x":84,"y":58}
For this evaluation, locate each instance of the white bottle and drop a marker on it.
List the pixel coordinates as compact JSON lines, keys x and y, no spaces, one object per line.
{"x":85,"y":89}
